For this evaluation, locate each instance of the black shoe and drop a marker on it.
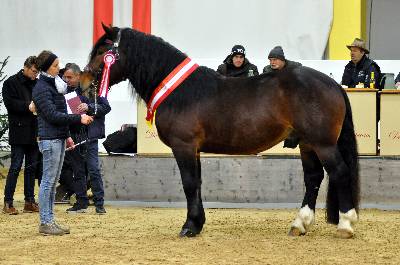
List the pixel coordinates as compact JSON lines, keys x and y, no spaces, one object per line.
{"x":100,"y":210}
{"x":77,"y":208}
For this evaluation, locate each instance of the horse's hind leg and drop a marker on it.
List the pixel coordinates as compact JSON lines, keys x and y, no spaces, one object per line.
{"x":313,"y":176}
{"x":189,"y":165}
{"x":340,"y":195}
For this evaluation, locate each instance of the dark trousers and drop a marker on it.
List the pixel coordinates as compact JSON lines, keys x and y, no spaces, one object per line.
{"x":67,"y":173}
{"x":31,"y":154}
{"x":93,"y":168}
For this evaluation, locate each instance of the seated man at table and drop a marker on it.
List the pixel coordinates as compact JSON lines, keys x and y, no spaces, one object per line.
{"x":360,"y":69}
{"x":277,"y":61}
{"x":236,"y":64}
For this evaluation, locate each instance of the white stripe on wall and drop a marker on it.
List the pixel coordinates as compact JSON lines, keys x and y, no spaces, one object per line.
{"x":122,"y":13}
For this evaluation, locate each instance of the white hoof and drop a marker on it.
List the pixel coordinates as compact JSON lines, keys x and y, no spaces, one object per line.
{"x":346,"y":220}
{"x":304,"y":219}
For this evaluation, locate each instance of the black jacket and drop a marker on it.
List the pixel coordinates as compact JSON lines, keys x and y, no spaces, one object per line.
{"x":53,"y":119}
{"x":361,"y":73}
{"x":17,"y":95}
{"x":95,"y":130}
{"x":289,"y":64}
{"x":228,"y":69}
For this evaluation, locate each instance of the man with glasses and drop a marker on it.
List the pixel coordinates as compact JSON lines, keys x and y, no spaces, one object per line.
{"x":17,"y":96}
{"x":236,"y":64}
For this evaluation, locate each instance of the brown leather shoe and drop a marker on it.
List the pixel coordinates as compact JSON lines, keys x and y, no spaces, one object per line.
{"x":31,"y":207}
{"x":9,"y":209}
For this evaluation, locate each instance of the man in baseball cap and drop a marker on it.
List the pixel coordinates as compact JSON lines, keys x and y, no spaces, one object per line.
{"x":236,"y":64}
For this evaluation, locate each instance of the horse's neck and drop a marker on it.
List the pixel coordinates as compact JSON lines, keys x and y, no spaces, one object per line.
{"x":154,"y":60}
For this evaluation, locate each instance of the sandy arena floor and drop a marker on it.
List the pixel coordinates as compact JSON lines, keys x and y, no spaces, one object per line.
{"x":129,"y":235}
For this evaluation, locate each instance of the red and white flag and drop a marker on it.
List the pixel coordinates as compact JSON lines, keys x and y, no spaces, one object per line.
{"x":105,"y":10}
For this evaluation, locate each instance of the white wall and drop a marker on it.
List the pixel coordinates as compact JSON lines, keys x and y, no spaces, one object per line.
{"x":208,"y":29}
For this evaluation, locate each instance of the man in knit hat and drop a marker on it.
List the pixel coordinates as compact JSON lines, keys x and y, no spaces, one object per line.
{"x":360,"y":68}
{"x":277,"y":61}
{"x":236,"y":64}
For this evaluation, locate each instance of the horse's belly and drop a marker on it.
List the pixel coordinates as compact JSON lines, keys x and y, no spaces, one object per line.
{"x":246,"y":144}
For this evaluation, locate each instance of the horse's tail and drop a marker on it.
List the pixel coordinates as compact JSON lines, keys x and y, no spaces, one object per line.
{"x":347,"y":145}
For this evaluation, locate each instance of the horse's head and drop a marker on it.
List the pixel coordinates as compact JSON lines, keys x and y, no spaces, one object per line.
{"x":109,"y":42}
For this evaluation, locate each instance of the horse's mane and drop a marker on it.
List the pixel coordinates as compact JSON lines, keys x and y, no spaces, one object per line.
{"x":149,"y":60}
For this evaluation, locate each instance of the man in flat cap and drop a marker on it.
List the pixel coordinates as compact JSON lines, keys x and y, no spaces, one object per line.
{"x":277,"y":61}
{"x":360,"y":68}
{"x":236,"y":64}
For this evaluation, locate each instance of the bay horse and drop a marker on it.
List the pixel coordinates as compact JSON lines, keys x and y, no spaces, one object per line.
{"x":211,"y":113}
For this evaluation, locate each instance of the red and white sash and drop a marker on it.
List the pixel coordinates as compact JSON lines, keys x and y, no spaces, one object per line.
{"x":172,"y":81}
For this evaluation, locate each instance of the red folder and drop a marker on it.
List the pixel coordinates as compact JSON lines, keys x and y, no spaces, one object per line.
{"x":73,"y":102}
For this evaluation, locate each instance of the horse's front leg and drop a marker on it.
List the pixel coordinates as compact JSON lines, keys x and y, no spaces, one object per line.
{"x":189,"y":165}
{"x":313,"y":176}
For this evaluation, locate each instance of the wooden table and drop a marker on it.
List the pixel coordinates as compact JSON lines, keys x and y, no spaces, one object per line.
{"x":363,"y":105}
{"x":390,"y":122}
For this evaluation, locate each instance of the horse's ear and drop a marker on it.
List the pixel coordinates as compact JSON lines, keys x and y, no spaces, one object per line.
{"x":107,"y":30}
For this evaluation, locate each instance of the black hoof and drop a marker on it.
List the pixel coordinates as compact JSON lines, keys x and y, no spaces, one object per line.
{"x":186,"y":232}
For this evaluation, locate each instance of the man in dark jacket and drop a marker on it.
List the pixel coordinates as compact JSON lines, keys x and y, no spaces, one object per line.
{"x":360,"y":68}
{"x":17,"y":96}
{"x":277,"y":61}
{"x":73,"y":159}
{"x":236,"y":64}
{"x":89,"y":136}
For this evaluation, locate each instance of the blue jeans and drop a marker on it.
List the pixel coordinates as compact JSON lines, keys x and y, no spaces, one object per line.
{"x":31,"y":154}
{"x":53,"y":156}
{"x":80,"y":184}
